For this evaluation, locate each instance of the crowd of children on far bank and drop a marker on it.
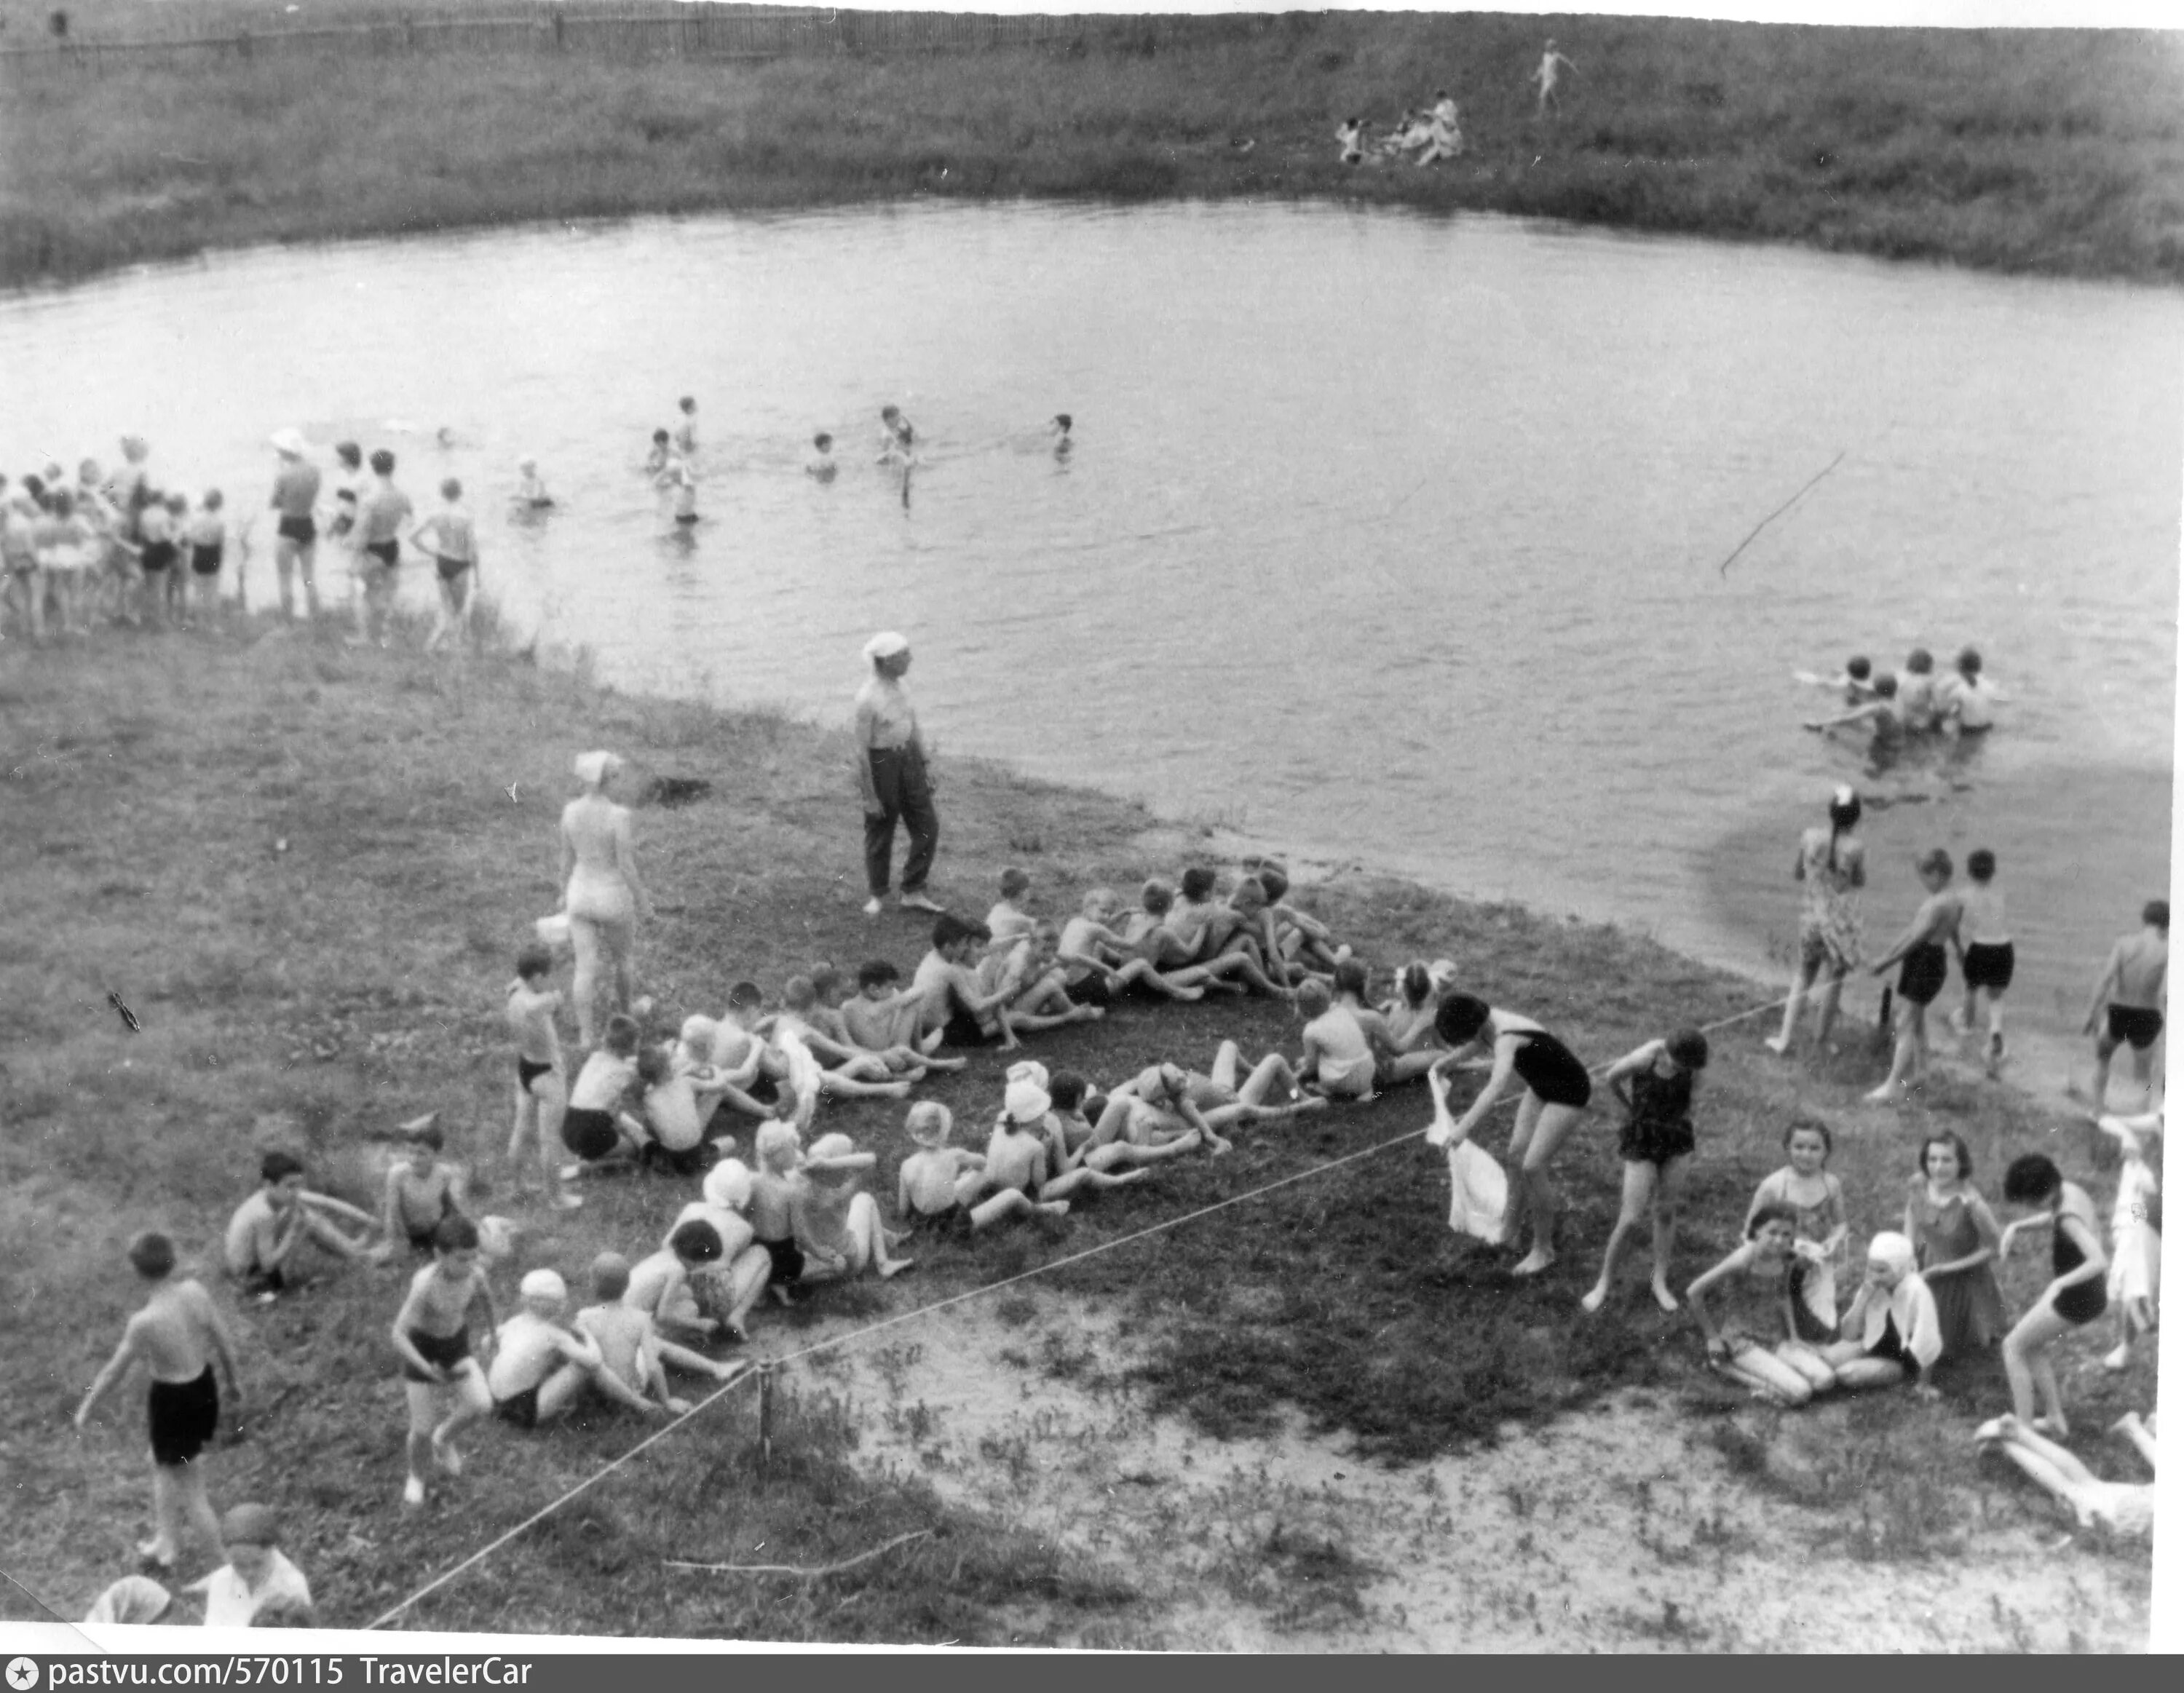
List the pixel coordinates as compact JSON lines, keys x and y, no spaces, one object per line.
{"x":792,"y":1216}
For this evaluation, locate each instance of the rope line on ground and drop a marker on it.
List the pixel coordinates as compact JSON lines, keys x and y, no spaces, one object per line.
{"x":918,"y":1312}
{"x":799,"y":1569}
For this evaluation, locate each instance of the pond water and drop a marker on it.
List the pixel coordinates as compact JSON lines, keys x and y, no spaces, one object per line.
{"x":1394,"y":538}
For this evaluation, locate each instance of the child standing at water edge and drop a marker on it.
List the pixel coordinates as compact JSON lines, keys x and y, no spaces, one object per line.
{"x":1924,"y":952}
{"x":207,"y":550}
{"x":1954,"y":1238}
{"x":179,"y":1337}
{"x":453,"y":545}
{"x":2134,"y":989}
{"x":1654,"y":1085}
{"x":296,"y":498}
{"x":1986,"y":952}
{"x":1815,"y":1202}
{"x":2077,"y":1295}
{"x":380,"y":515}
{"x":1831,"y":864}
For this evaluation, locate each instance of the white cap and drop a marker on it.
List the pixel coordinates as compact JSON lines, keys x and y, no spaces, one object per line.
{"x":1028,"y":1070}
{"x":1025,"y":1101}
{"x":728,"y":1184}
{"x":544,"y":1284}
{"x":290,"y":442}
{"x":1442,"y":973}
{"x":885,"y":644}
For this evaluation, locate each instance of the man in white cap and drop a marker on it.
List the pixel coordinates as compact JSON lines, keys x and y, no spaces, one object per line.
{"x":891,"y":776}
{"x":539,"y":1364}
{"x":296,"y":535}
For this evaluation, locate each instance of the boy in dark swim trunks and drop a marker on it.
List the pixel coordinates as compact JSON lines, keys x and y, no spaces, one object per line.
{"x":540,"y":1365}
{"x":180,"y":1337}
{"x":2134,"y":989}
{"x":542,"y":1089}
{"x":420,"y":1191}
{"x":268,"y":1228}
{"x":446,"y":1388}
{"x":296,"y":534}
{"x":1924,"y":952}
{"x":1986,"y":952}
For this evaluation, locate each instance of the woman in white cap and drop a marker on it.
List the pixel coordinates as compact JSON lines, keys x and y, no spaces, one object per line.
{"x":891,"y":776}
{"x":602,"y":897}
{"x":296,"y":535}
{"x":1831,"y":864}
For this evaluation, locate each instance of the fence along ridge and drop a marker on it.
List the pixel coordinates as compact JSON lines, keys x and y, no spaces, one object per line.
{"x":693,"y":31}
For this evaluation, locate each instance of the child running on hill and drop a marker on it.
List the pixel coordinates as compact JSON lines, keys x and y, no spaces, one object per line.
{"x":1654,"y":1085}
{"x":2134,"y":991}
{"x":446,"y":1389}
{"x":420,"y":1191}
{"x":2077,"y":1295}
{"x":1814,"y":1199}
{"x":1216,"y":1099}
{"x":182,"y":1340}
{"x":542,"y":1093}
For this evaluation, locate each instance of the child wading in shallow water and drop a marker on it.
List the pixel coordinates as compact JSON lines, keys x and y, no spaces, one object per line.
{"x":1654,"y":1085}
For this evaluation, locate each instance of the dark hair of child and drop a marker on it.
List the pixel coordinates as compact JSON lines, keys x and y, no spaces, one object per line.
{"x":2033,"y":1179}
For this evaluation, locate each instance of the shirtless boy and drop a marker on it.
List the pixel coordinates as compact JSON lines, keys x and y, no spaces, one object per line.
{"x":596,"y":1127}
{"x":179,"y":1337}
{"x":446,"y":1389}
{"x":1027,"y":1106}
{"x":540,"y":1365}
{"x":1924,"y":952}
{"x":2134,"y":989}
{"x":542,"y":1087}
{"x":883,"y":1020}
{"x":1338,"y":1059}
{"x":1985,"y":953}
{"x":951,"y":999}
{"x":421,"y":1190}
{"x":268,"y":1227}
{"x":628,"y":1344}
{"x":1098,"y":968}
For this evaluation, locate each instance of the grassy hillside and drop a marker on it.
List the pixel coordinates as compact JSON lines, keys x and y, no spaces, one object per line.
{"x":2052,"y":151}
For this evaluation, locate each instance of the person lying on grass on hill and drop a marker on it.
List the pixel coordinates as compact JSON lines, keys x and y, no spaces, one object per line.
{"x":1099,"y":969}
{"x":2134,"y":991}
{"x":1338,"y":1059}
{"x":421,"y":1190}
{"x":841,"y":1217}
{"x":1555,"y":1092}
{"x":1924,"y":952}
{"x":1654,"y":1085}
{"x":631,"y":1374}
{"x":598,"y":1126}
{"x":446,"y":1389}
{"x":663,"y":452}
{"x":2123,"y":1508}
{"x":1815,"y":1200}
{"x":270,"y":1228}
{"x":1028,"y":1104}
{"x":1216,"y":1102}
{"x":180,"y":1337}
{"x":542,"y":1087}
{"x":820,"y":466}
{"x":951,"y":999}
{"x":883,"y":1019}
{"x":2135,"y":1229}
{"x":540,"y":1365}
{"x":1752,"y":1338}
{"x":1892,"y":1331}
{"x":530,"y":487}
{"x":630,"y":1342}
{"x":849,"y":1072}
{"x":707,"y":1275}
{"x":1134,"y":1138}
{"x":2077,"y":1295}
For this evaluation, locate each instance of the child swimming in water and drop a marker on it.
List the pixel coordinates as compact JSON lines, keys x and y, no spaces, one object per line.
{"x":531,"y":488}
{"x":820,"y":466}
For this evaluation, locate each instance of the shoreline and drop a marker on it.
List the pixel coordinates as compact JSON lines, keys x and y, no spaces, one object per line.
{"x":2027,"y":152}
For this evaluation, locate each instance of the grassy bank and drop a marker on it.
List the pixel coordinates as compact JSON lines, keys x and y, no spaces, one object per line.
{"x":305,"y":870}
{"x":2051,"y":151}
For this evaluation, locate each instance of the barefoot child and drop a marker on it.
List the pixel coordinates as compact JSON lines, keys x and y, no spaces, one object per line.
{"x":2135,"y":1229}
{"x":208,"y":536}
{"x":1754,"y":1341}
{"x":1098,"y":968}
{"x":2134,"y":989}
{"x":1953,"y":1236}
{"x":1555,"y":1092}
{"x":931,"y":1184}
{"x":840,"y":1217}
{"x":951,"y":1000}
{"x":1831,"y":864}
{"x":1027,"y":1108}
{"x":882,"y":1019}
{"x":2121,"y":1507}
{"x":1131,"y":1142}
{"x":270,"y":1227}
{"x":2077,"y":1295}
{"x":701,"y":1266}
{"x":1924,"y":952}
{"x":630,"y":1345}
{"x":1009,"y":919}
{"x":596,"y":1127}
{"x":421,"y":1192}
{"x":446,"y":1389}
{"x":540,"y":1365}
{"x":179,"y":1337}
{"x":542,"y":1091}
{"x":1815,"y":1199}
{"x":1338,"y":1059}
{"x":1216,"y":1100}
{"x":1985,"y":952}
{"x":452,"y":543}
{"x":1892,"y":1329}
{"x":1654,"y":1085}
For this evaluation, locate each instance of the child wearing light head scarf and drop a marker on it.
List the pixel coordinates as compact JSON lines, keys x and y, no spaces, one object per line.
{"x":1892,"y":1328}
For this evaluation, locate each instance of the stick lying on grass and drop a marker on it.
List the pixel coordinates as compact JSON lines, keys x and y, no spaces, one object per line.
{"x":795,"y":1569}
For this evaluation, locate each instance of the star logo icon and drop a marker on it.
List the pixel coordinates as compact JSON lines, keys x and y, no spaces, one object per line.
{"x":22,"y":1673}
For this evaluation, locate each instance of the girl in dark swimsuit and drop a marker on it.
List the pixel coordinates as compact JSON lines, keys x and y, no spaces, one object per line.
{"x":1655,"y":1084}
{"x":2078,"y":1293}
{"x":1557,"y":1091}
